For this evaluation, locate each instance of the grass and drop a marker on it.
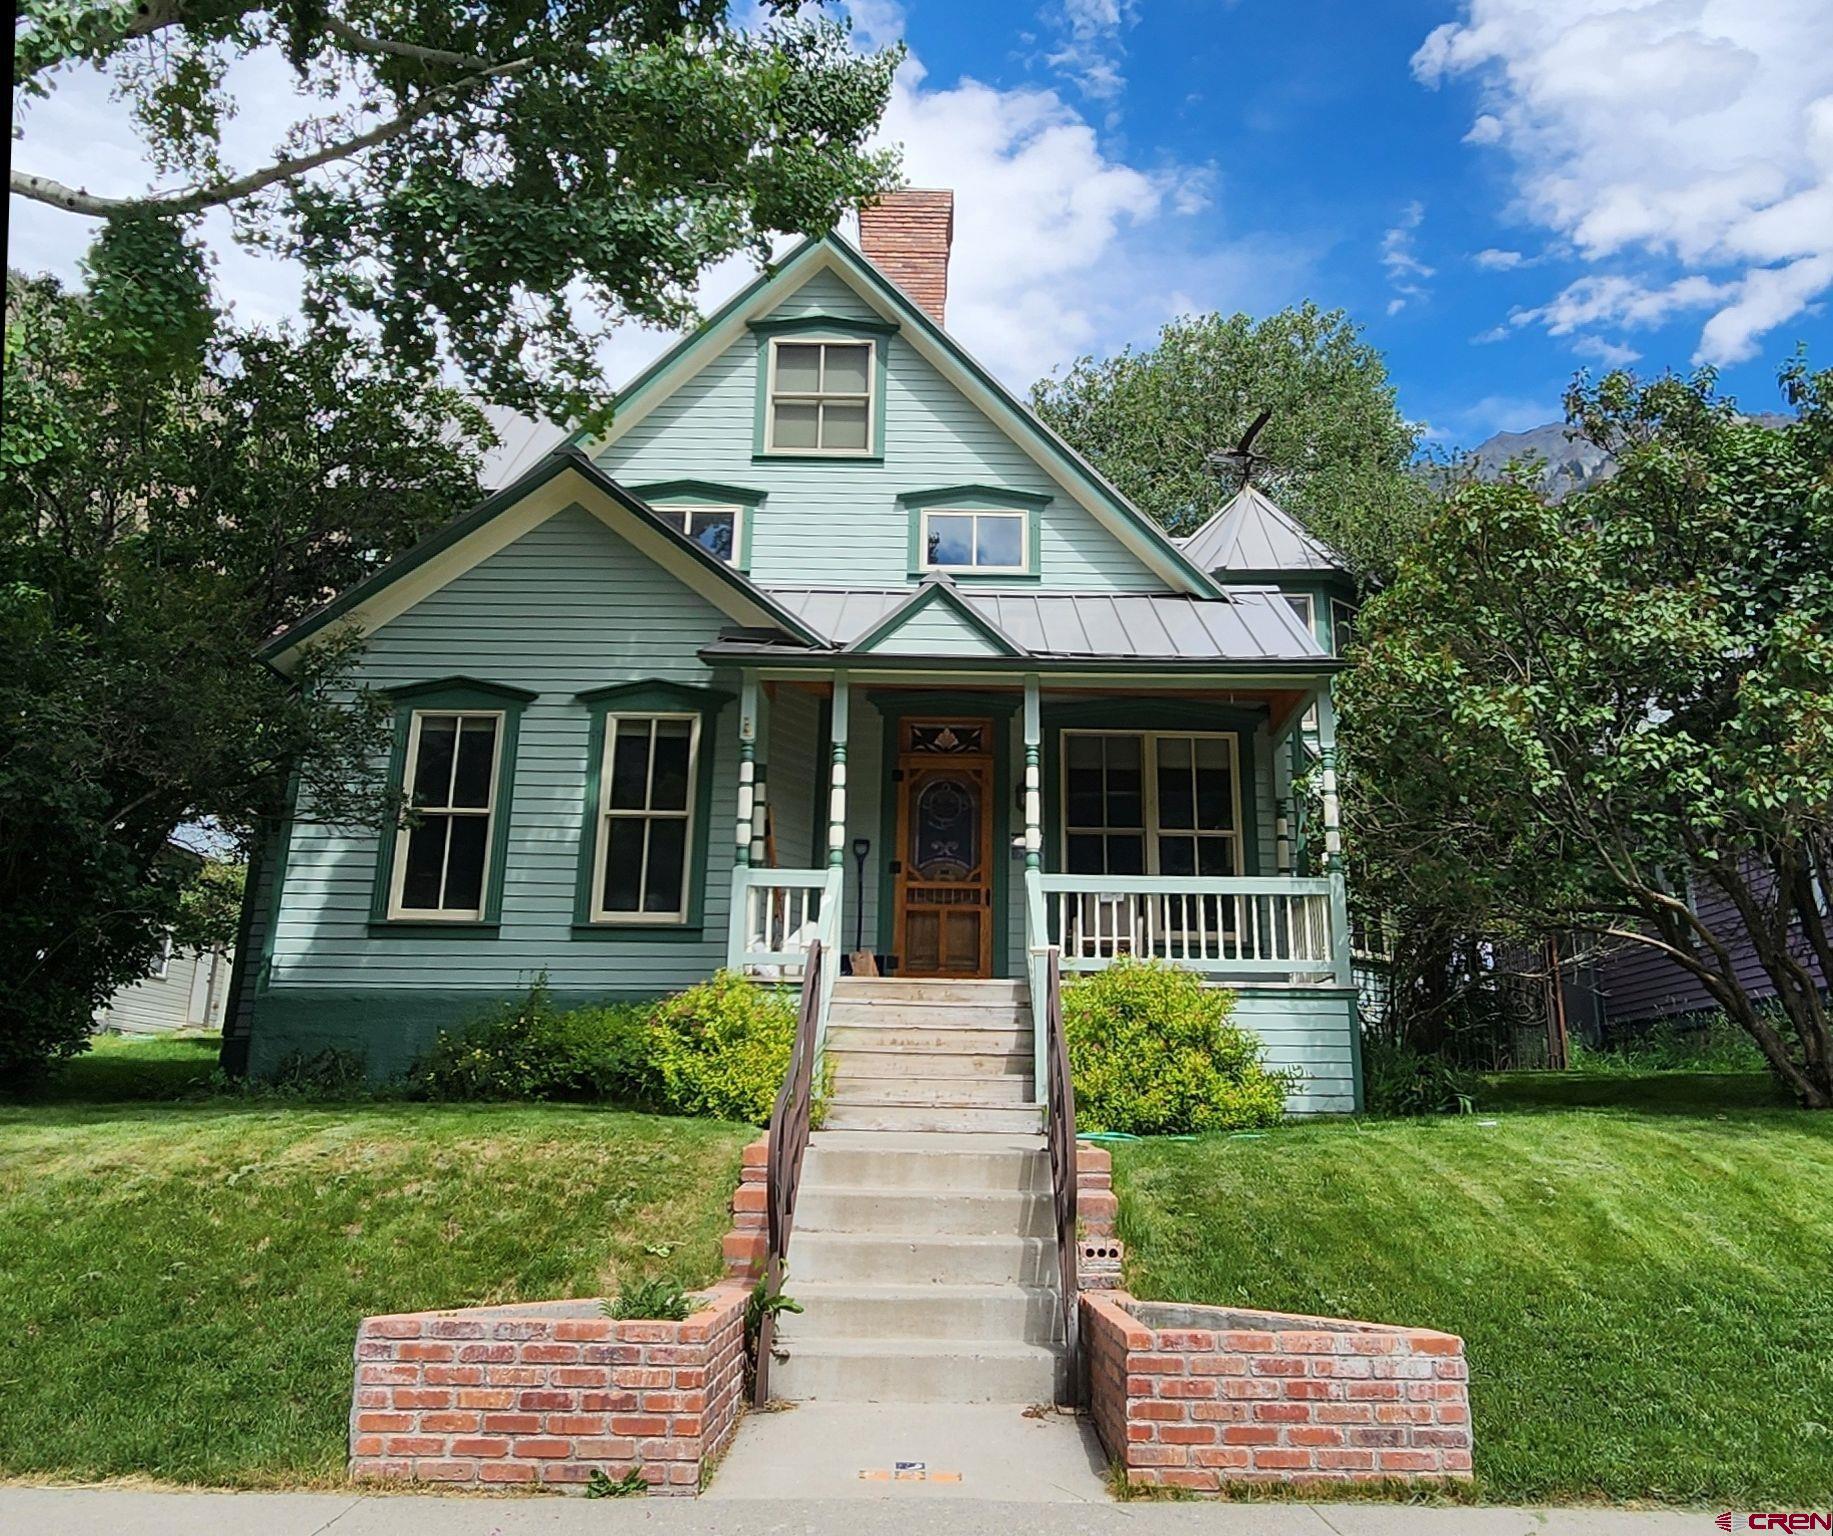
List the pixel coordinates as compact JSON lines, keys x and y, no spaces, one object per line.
{"x":183,"y":1276}
{"x":1646,"y":1294}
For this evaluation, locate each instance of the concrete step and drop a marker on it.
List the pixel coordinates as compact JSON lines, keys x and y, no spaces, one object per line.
{"x":892,"y":1013}
{"x":851,"y":1062}
{"x":972,"y":1092}
{"x":923,"y":1213}
{"x":933,"y":1162}
{"x":995,"y":1313}
{"x":859,"y":1115}
{"x":882,"y":1258}
{"x":921,"y":1040}
{"x":852,"y":989}
{"x":918,"y":1371}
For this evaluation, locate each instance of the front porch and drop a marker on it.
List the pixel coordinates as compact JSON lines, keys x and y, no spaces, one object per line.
{"x":947,"y":825}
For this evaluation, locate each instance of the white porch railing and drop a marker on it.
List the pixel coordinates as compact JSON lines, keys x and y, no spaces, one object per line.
{"x":776,"y":915}
{"x":1245,"y":927}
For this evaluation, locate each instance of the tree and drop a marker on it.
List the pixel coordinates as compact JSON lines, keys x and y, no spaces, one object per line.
{"x":170,"y":501}
{"x":462,"y":169}
{"x":1337,"y":447}
{"x":1560,"y":713}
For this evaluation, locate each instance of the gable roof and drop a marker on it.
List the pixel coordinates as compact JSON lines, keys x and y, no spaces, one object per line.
{"x":562,"y":478}
{"x":1134,"y":530}
{"x":1254,"y":536}
{"x":937,"y":589}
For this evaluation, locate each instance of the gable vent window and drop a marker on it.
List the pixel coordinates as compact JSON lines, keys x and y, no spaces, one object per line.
{"x":714,"y":529}
{"x":974,"y":541}
{"x":821,"y":397}
{"x":442,"y":854}
{"x":646,"y":816}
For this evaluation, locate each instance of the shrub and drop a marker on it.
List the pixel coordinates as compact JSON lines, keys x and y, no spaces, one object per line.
{"x":532,"y":1050}
{"x":332,"y":1073}
{"x":1709,"y":1042}
{"x":1152,"y":1052}
{"x":1398,"y":1080}
{"x":721,"y":1048}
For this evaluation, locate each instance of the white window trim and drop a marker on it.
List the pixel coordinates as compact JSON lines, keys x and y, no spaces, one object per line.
{"x":398,"y":878}
{"x":670,"y":508}
{"x":1309,"y":617}
{"x":1152,"y":831}
{"x":870,"y":450}
{"x":602,"y":832}
{"x":1023,"y":567}
{"x":162,"y":968}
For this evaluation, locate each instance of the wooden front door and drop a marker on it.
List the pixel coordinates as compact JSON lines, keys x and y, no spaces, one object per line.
{"x":942,"y":868}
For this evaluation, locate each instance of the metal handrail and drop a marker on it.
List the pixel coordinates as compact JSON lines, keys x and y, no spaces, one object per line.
{"x":1060,"y":1131}
{"x":789,"y":1126}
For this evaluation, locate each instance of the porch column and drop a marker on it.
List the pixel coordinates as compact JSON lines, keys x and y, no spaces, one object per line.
{"x":748,"y":787}
{"x":836,"y":798}
{"x":1333,"y":841}
{"x":1034,"y":800}
{"x":1282,"y":798}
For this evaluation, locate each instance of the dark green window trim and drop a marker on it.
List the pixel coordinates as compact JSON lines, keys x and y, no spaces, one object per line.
{"x":991,"y":498}
{"x":816,"y":328}
{"x":709,"y":493}
{"x":893,"y":707}
{"x":1150,"y":715}
{"x":650,"y":696}
{"x":451,"y":693}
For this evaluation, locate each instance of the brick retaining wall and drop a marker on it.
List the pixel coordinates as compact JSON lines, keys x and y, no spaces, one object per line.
{"x":1200,"y":1397}
{"x":547,"y":1393}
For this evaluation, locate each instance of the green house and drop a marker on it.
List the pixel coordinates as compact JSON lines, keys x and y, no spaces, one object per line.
{"x":830,"y":637}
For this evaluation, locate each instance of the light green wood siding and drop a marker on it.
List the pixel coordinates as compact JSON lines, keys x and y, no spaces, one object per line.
{"x":838,"y":521}
{"x":1313,"y":1029}
{"x":937,"y":630}
{"x":793,"y":746}
{"x":569,"y":606}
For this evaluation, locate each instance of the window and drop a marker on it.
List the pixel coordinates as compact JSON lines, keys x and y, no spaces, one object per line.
{"x":974,"y":541}
{"x":820,"y":397}
{"x":1151,"y":803}
{"x":442,"y":852}
{"x":714,"y":529}
{"x":1300,"y":603}
{"x":645,"y":818}
{"x":1342,"y":625}
{"x":162,"y":966}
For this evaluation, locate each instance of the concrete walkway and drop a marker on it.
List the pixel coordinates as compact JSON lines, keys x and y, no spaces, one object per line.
{"x":138,"y":1512}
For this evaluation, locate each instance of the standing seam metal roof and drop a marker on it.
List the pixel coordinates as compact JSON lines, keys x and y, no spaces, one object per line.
{"x":1254,"y":533}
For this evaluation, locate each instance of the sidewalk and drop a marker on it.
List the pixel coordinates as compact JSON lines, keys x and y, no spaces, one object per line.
{"x":137,"y":1512}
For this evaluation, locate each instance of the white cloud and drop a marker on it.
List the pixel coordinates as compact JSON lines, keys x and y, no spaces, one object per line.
{"x":1695,"y":134}
{"x":1612,"y":354}
{"x":1498,"y":261}
{"x":1406,"y":273}
{"x":1090,"y":46}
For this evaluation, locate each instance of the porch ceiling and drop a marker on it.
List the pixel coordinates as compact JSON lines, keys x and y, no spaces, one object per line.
{"x":1255,"y":626}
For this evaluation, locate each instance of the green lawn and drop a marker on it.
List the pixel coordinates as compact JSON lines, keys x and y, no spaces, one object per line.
{"x":181,"y":1280}
{"x":1646,"y":1294}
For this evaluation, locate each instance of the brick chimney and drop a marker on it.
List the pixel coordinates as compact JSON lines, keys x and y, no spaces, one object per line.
{"x":906,"y":235}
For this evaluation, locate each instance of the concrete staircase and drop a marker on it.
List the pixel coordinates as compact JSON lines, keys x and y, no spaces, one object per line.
{"x":925,"y":1249}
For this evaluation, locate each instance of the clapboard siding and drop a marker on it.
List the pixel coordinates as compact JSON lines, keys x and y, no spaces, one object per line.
{"x":570,"y":606}
{"x":840,"y":521}
{"x":1635,"y":983}
{"x":793,"y":761}
{"x":1314,"y":1030}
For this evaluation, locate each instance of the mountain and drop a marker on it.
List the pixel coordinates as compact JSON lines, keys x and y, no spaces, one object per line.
{"x":1569,"y":463}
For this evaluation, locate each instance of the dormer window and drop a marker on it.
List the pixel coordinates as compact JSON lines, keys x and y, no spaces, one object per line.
{"x":820,"y":397}
{"x":963,"y":540}
{"x":714,"y":529}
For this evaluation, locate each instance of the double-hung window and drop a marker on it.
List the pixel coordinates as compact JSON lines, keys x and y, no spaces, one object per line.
{"x":821,"y":397}
{"x":1151,"y":803}
{"x":974,"y":541}
{"x":450,"y":784}
{"x":714,"y":529}
{"x":641,"y":871}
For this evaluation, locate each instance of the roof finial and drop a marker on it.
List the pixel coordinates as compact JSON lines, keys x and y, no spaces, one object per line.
{"x":1241,"y":459}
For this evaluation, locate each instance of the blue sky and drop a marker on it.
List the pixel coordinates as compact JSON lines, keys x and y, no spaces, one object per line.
{"x":1499,"y":191}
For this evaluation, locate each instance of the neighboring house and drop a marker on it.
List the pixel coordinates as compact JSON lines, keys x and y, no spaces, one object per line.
{"x":828,"y":635}
{"x":186,"y":989}
{"x":1632,"y":986}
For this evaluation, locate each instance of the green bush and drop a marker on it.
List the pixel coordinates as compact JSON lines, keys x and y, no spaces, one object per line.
{"x":1708,"y":1042}
{"x":533,"y":1050}
{"x":660,"y":1301}
{"x":1152,"y":1052}
{"x":1398,"y":1080}
{"x":721,"y":1048}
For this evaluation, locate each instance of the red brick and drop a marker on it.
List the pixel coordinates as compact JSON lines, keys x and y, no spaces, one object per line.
{"x":1313,"y":1434}
{"x":1227,"y":1456}
{"x":506,"y":1472}
{"x":1345,"y":1461}
{"x":1276,"y":1460}
{"x":446,"y":1471}
{"x":384,"y":1421}
{"x":550,"y":1354}
{"x":638,"y":1424}
{"x":1179,"y":1386}
{"x":1406,"y":1461}
{"x":547,"y":1402}
{"x":1156,"y":1456}
{"x":487,"y":1397}
{"x":1282,"y":1413}
{"x":414,"y":1445}
{"x":580,"y":1330}
{"x":480,"y":1445}
{"x":575,"y":1424}
{"x":422,"y":1397}
{"x":455,"y":1375}
{"x":487,"y":1354}
{"x":426,"y":1352}
{"x":1187,"y":1434}
{"x":543,"y":1449}
{"x":391,"y":1327}
{"x":1250,"y":1434}
{"x":456,"y":1423}
{"x":512,"y":1423}
{"x":1151,"y":1408}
